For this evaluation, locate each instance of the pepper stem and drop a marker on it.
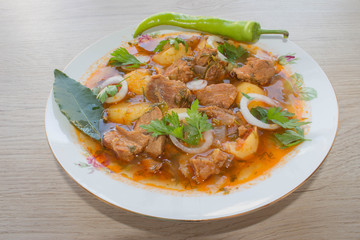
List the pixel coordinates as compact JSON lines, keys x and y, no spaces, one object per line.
{"x":283,"y":32}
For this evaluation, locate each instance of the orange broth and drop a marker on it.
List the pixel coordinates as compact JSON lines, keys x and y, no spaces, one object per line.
{"x":169,"y":177}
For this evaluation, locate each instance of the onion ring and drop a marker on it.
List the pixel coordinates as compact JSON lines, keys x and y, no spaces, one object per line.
{"x":210,"y":40}
{"x":196,"y":84}
{"x":208,"y":136}
{"x":249,"y":117}
{"x":119,"y":95}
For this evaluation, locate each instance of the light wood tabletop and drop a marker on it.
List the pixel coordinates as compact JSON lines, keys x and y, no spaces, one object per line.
{"x":38,"y":200}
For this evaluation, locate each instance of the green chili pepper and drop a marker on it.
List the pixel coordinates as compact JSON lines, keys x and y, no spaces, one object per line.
{"x":243,"y":31}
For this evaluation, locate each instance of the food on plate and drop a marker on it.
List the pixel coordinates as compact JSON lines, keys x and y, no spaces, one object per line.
{"x":188,"y":110}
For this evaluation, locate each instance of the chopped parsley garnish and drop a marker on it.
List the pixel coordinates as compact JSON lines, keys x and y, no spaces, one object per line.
{"x":121,"y":57}
{"x":173,"y":42}
{"x":232,"y":53}
{"x":292,"y":135}
{"x":190,"y":132}
{"x":108,"y":91}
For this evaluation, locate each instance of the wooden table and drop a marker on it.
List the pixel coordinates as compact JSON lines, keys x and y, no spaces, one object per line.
{"x":39,"y":201}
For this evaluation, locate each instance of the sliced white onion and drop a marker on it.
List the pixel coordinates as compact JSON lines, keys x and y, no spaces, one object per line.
{"x":249,"y":117}
{"x":142,"y":58}
{"x":208,"y":136}
{"x":196,"y":84}
{"x":109,"y":81}
{"x":211,"y":40}
{"x":123,"y":90}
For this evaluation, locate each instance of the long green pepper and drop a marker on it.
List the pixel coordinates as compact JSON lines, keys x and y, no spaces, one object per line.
{"x":243,"y":31}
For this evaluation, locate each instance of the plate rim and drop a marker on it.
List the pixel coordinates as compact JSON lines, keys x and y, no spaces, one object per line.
{"x":181,"y":219}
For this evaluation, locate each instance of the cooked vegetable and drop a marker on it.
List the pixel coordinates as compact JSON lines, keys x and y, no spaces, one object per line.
{"x":232,"y":53}
{"x":291,"y":137}
{"x":249,"y":117}
{"x":246,"y":88}
{"x":137,"y":80}
{"x":170,"y":55}
{"x":244,"y":148}
{"x":196,"y":84}
{"x":172,"y":42}
{"x":243,"y":31}
{"x":189,"y":132}
{"x":78,"y":103}
{"x":278,"y":116}
{"x":111,"y":93}
{"x":122,"y":58}
{"x":126,"y":112}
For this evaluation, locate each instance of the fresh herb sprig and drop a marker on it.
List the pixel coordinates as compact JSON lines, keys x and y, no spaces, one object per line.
{"x":190,"y":132}
{"x":293,"y":134}
{"x":122,"y":58}
{"x":173,"y":42}
{"x":108,"y":91}
{"x":291,"y":137}
{"x":232,"y":53}
{"x":305,"y":93}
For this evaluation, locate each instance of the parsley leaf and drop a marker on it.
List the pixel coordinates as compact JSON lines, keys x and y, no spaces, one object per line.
{"x":121,"y":57}
{"x":189,"y":132}
{"x":232,"y":53}
{"x":291,"y":137}
{"x":277,"y":115}
{"x":173,"y":42}
{"x":108,"y":91}
{"x":308,"y":93}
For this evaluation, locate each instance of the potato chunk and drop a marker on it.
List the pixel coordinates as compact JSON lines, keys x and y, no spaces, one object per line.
{"x":126,"y":113}
{"x":245,"y":149}
{"x":137,"y":80}
{"x":167,"y":57}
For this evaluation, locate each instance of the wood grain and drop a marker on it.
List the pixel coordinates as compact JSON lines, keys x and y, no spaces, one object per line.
{"x":39,"y":201}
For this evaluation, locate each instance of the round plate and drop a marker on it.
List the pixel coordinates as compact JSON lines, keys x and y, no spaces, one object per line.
{"x":282,"y":180}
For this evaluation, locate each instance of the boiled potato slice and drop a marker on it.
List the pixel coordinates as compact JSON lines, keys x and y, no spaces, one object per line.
{"x":177,"y":110}
{"x":246,"y":149}
{"x":245,"y":87}
{"x":169,"y":56}
{"x":125,"y":112}
{"x":137,"y":80}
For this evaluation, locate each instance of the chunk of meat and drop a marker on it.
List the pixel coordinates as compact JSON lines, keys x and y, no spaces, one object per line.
{"x":224,"y":116}
{"x":193,"y":41}
{"x":256,"y":70}
{"x":151,"y":165}
{"x":156,"y":145}
{"x":181,"y":69}
{"x":221,"y":95}
{"x":174,"y":93}
{"x":126,"y":144}
{"x":215,"y":72}
{"x":205,"y":56}
{"x":205,"y":166}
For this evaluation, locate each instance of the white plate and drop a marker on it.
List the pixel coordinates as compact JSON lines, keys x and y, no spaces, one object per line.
{"x":283,"y":179}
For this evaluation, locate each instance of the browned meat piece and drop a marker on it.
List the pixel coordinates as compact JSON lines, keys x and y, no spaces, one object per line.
{"x":221,"y":95}
{"x":205,"y":166}
{"x":156,"y":145}
{"x":181,"y":69}
{"x":151,"y":165}
{"x":126,"y":144}
{"x":174,"y":93}
{"x":256,"y":70}
{"x":224,"y":116}
{"x":244,"y":130}
{"x":205,"y":56}
{"x":146,"y":118}
{"x":215,"y":72}
{"x":193,"y":41}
